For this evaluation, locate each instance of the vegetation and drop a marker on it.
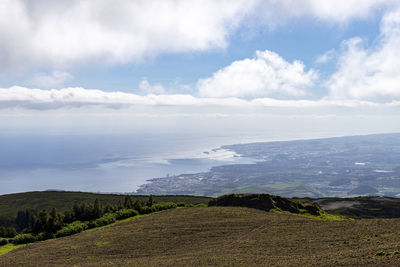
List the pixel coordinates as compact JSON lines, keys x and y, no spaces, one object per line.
{"x":267,"y":202}
{"x":234,"y":233}
{"x":72,"y":228}
{"x":47,"y":225}
{"x":16,"y":209}
{"x":7,"y":231}
{"x":126,"y":213}
{"x":24,"y":239}
{"x":220,"y":236}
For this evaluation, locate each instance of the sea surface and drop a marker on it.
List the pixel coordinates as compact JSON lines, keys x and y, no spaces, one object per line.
{"x":105,"y":163}
{"x":115,"y":162}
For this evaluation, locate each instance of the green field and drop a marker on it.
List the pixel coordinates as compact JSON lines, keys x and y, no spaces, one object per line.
{"x":221,"y":236}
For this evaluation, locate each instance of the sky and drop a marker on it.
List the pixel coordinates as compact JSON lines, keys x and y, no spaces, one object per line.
{"x":166,"y":65}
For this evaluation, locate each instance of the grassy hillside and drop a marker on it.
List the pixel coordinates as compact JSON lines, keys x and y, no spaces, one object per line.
{"x":62,"y":200}
{"x":220,"y":236}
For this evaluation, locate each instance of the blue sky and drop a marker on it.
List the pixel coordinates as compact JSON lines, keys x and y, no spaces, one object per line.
{"x":151,"y":59}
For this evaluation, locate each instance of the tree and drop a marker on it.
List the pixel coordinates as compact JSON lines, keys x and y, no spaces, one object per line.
{"x":108,"y":208}
{"x":43,"y":217}
{"x":128,"y":203}
{"x":34,"y":223}
{"x":97,"y":209}
{"x":150,"y":201}
{"x":119,"y":205}
{"x":68,"y":216}
{"x":137,"y":205}
{"x":2,"y":231}
{"x":10,"y":232}
{"x":22,"y":219}
{"x":54,"y":222}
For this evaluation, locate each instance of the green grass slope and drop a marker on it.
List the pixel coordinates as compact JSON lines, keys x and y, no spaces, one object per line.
{"x":221,"y":236}
{"x":62,"y":200}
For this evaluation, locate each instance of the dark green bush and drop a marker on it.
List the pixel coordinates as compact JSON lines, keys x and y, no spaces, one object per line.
{"x":126,"y":213}
{"x":313,"y":209}
{"x":181,"y":204}
{"x":7,"y":231}
{"x":157,"y":207}
{"x":3,"y":242}
{"x":72,"y":228}
{"x":107,"y":218}
{"x":24,"y":239}
{"x":45,"y":236}
{"x":164,"y":206}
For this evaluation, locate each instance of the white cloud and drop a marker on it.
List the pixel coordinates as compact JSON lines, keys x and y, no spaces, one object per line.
{"x":265,"y":74}
{"x":54,"y":79}
{"x":326,"y":57}
{"x":25,"y":98}
{"x":148,"y":88}
{"x":370,"y":72}
{"x":59,"y":33}
{"x":326,"y":10}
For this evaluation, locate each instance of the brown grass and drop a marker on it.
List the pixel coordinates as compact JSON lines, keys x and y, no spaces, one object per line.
{"x":220,"y":236}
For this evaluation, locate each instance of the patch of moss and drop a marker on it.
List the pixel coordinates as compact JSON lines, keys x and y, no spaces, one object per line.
{"x":380,"y":253}
{"x":7,"y":248}
{"x":103,"y":243}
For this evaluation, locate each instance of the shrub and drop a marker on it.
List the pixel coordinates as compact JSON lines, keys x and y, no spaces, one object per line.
{"x":313,"y":209}
{"x":7,"y":231}
{"x":157,"y":207}
{"x":164,"y":206}
{"x":181,"y":204}
{"x":45,"y":236}
{"x":3,"y":242}
{"x":126,"y":213}
{"x":72,"y":228}
{"x":24,"y":239}
{"x":107,"y":218}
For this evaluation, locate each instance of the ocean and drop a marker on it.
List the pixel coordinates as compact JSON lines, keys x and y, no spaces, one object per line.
{"x":117,"y":162}
{"x":106,"y":163}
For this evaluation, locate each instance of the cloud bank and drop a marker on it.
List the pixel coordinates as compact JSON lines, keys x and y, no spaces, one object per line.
{"x":25,"y":98}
